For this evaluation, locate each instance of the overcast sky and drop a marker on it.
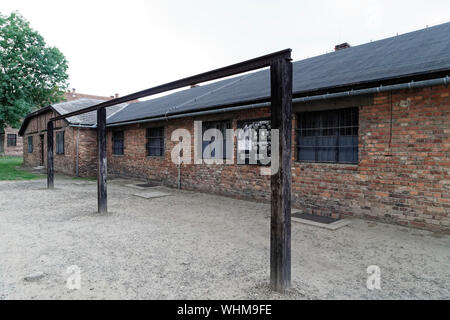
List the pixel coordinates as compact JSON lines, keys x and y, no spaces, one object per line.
{"x":126,"y":46}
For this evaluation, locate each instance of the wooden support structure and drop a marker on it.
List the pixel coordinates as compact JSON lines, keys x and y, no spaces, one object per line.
{"x":50,"y":166}
{"x":280,"y":225}
{"x":249,"y":65}
{"x":281,"y":108}
{"x":102,"y":163}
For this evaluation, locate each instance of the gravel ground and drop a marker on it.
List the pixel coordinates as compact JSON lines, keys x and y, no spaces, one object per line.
{"x":196,"y":246}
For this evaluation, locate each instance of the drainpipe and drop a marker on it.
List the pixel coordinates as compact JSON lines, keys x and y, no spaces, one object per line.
{"x":402,"y":86}
{"x":179,"y":164}
{"x":193,"y":114}
{"x":351,"y":93}
{"x":77,"y":157}
{"x":179,"y":172}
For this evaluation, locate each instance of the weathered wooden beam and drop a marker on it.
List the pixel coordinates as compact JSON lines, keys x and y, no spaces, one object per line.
{"x":102,"y":165}
{"x":245,"y":66}
{"x":281,"y":108}
{"x":281,"y":119}
{"x":50,"y":169}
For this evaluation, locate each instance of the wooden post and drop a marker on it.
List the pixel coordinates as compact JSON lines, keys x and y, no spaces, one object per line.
{"x":281,"y":119}
{"x":102,"y":165}
{"x":50,"y":170}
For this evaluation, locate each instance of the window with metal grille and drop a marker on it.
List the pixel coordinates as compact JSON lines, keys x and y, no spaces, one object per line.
{"x":118,"y":142}
{"x":328,"y":136}
{"x":11,"y":140}
{"x":30,"y":144}
{"x":251,"y":150}
{"x":155,"y":142}
{"x":222,"y":126}
{"x":60,"y":142}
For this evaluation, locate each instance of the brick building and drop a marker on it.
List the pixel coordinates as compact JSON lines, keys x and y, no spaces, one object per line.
{"x":10,"y":142}
{"x":371,"y":132}
{"x":74,"y":95}
{"x":75,"y":138}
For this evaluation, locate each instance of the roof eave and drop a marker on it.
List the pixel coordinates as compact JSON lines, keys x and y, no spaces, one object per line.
{"x":419,"y":76}
{"x":354,"y":86}
{"x":35,"y":114}
{"x":31,"y":115}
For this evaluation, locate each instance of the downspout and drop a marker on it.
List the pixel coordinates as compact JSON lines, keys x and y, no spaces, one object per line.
{"x":179,"y":168}
{"x":77,"y":172}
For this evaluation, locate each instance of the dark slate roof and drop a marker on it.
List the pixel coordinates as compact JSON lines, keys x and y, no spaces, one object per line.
{"x":86,"y":119}
{"x":89,"y":118}
{"x":417,"y":53}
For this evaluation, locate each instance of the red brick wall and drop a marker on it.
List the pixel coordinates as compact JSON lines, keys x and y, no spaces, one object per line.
{"x":407,"y":173}
{"x":403,"y":172}
{"x":402,"y":177}
{"x":222,"y":179}
{"x":13,"y":150}
{"x":87,"y":151}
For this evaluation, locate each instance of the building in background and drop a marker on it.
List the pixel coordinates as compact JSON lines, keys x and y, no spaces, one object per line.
{"x":74,"y":95}
{"x":11,"y":142}
{"x":75,"y":137}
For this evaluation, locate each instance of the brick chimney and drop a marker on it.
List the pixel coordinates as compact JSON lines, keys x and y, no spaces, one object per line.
{"x":341,"y":46}
{"x":73,"y":93}
{"x":116,"y":95}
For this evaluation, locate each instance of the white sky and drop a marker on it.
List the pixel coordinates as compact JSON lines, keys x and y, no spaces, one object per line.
{"x":126,"y":46}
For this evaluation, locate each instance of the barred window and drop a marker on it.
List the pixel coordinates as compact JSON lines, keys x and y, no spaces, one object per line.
{"x":30,"y":144}
{"x":60,"y":142}
{"x":250,"y":150}
{"x":222,"y":126}
{"x":155,"y":142}
{"x":11,"y":140}
{"x":328,"y":136}
{"x":118,"y":142}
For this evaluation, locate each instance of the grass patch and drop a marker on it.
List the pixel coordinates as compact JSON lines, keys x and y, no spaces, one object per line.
{"x":9,"y":170}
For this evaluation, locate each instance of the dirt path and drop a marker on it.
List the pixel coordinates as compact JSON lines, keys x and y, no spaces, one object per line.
{"x":197,"y":246}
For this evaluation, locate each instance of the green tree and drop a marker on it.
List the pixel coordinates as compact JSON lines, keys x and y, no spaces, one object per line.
{"x":32,"y":74}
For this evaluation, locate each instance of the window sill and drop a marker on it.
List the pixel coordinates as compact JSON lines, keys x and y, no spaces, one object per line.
{"x":156,"y":157}
{"x":118,"y":155}
{"x":253,"y":164}
{"x":327,"y":164}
